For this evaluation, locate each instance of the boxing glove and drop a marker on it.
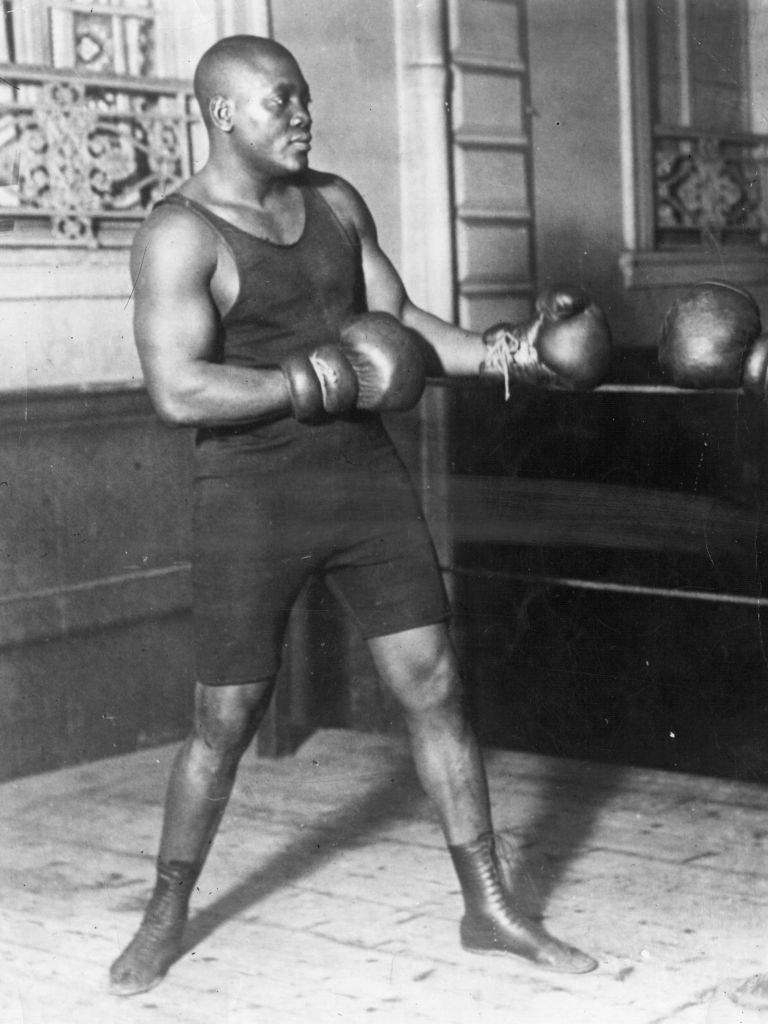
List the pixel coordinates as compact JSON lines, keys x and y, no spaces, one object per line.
{"x":707,"y":334}
{"x":567,"y":344}
{"x":319,"y":381}
{"x":388,"y":361}
{"x":754,"y":378}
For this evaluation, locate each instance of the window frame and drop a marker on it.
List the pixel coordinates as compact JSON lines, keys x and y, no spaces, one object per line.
{"x":643,"y":264}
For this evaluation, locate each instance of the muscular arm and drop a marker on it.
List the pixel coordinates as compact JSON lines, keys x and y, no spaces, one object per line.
{"x":173,"y":261}
{"x":459,"y":352}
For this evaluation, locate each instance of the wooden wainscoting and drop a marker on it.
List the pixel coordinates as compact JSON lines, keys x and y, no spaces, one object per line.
{"x":607,"y":559}
{"x":96,"y":655}
{"x":94,"y":591}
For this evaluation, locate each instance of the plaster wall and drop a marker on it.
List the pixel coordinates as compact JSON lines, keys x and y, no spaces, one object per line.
{"x":347,"y":53}
{"x":576,"y":145}
{"x":584,"y":197}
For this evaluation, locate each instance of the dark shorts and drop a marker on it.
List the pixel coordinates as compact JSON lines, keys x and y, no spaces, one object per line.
{"x":258,"y":537}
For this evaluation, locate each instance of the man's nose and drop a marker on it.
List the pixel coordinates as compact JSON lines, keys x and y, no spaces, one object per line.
{"x":301,"y":115}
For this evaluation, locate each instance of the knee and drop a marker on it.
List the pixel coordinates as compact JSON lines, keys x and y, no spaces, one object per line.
{"x":226,"y":719}
{"x":434,"y":686}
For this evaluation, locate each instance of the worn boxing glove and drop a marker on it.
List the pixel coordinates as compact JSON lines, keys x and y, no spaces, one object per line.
{"x":567,"y":344}
{"x":388,"y":361}
{"x":319,"y":381}
{"x":707,"y":335}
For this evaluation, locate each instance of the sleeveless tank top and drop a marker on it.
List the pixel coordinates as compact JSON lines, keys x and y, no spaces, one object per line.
{"x":290,"y":297}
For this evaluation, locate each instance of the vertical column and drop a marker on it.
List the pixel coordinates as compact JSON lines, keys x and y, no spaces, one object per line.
{"x":626,"y":125}
{"x":191,"y":30}
{"x":422,"y":84}
{"x":426,"y":261}
{"x":757,"y":41}
{"x":32,"y":34}
{"x":254,"y":18}
{"x":684,"y":58}
{"x":633,"y":63}
{"x":235,"y":18}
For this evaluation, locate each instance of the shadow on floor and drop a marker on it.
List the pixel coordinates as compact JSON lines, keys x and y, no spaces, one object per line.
{"x":565,"y":819}
{"x":566,"y":814}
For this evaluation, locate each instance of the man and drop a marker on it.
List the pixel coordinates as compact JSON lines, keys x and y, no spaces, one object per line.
{"x":244,"y":285}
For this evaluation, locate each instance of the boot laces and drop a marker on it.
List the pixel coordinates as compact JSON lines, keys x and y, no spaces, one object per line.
{"x":505,"y":855}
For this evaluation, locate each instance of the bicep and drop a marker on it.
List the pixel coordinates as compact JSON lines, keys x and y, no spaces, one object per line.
{"x":175,"y":320}
{"x":384,"y":289}
{"x":453,"y":350}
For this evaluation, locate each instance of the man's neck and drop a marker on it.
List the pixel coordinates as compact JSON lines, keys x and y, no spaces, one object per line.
{"x":228,"y":182}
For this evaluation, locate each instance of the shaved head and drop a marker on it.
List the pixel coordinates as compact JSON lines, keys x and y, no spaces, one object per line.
{"x":219,"y":67}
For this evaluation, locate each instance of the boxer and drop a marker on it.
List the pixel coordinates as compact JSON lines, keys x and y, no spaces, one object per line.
{"x":268,"y":317}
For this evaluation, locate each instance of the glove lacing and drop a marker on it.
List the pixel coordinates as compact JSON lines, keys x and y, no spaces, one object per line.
{"x":515,"y":348}
{"x":326,"y":375}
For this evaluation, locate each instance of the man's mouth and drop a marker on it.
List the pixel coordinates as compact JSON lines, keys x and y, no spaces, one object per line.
{"x":303,"y":142}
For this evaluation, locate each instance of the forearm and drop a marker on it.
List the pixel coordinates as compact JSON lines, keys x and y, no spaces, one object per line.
{"x":211,"y":394}
{"x":459,"y":352}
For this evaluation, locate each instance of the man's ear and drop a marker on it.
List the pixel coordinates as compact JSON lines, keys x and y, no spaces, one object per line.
{"x":220,"y":108}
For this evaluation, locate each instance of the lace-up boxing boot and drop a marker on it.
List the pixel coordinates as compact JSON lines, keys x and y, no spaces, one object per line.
{"x":491,"y":925}
{"x":157,"y":943}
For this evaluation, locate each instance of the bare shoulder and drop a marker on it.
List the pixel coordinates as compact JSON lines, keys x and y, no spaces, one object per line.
{"x":346,"y":202}
{"x":173,"y":238}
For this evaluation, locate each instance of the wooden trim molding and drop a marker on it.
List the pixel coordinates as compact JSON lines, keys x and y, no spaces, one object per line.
{"x":57,"y":406}
{"x":675,"y":269}
{"x":45,"y":615}
{"x":61,"y":273}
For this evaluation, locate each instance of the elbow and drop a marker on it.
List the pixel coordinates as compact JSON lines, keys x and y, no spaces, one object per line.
{"x":174,"y":418}
{"x":175,"y":415}
{"x":171,"y":410}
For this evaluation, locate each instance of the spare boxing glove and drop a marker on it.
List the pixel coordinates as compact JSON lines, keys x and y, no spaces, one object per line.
{"x":388,"y":361}
{"x":320,"y":380}
{"x":754,"y":377}
{"x":566,"y":345}
{"x":707,"y":334}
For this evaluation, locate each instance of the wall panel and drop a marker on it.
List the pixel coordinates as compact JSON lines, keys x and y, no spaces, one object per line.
{"x":492,"y":164}
{"x":95,"y":653}
{"x":491,"y":28}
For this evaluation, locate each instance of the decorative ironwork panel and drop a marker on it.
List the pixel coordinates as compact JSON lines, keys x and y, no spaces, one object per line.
{"x":708,"y":185}
{"x":109,"y":37}
{"x":83,"y":157}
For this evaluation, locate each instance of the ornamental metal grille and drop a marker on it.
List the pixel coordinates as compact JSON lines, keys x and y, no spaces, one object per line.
{"x":89,"y":138}
{"x":709,"y":168}
{"x":710,"y":186}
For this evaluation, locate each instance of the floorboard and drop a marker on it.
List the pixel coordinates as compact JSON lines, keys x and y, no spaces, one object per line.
{"x":329,"y":897}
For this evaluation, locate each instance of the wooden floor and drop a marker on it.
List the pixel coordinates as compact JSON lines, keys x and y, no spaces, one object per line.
{"x":328,"y":896}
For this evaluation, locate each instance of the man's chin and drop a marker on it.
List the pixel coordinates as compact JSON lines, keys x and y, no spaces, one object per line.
{"x":296,"y":165}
